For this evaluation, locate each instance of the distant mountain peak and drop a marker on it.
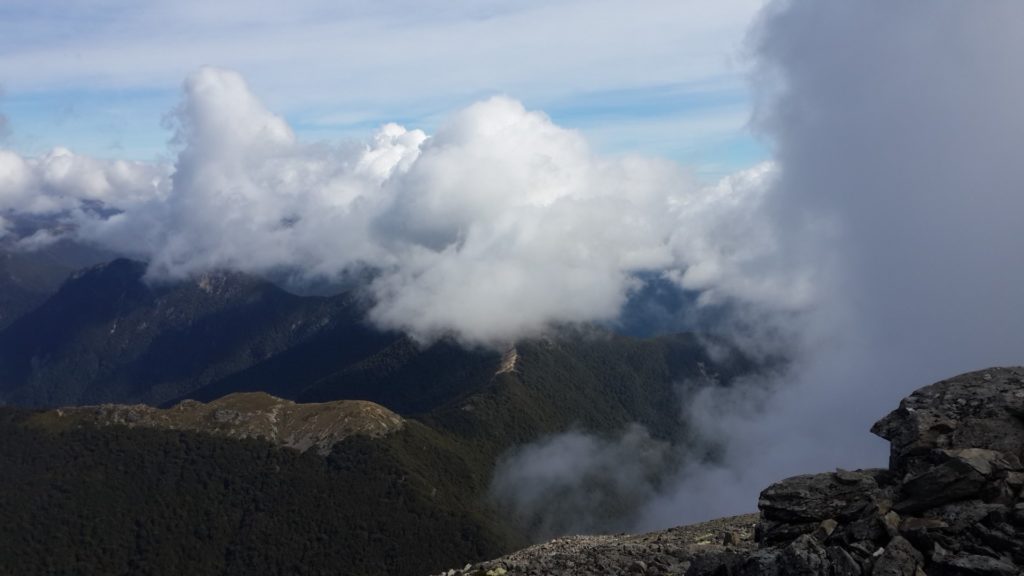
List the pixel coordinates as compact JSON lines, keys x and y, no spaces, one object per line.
{"x":247,"y":415}
{"x":121,"y":267}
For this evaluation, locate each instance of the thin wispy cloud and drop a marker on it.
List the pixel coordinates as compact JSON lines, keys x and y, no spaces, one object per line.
{"x":382,"y":62}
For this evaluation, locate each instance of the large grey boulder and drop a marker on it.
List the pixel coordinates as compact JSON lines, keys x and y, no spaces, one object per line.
{"x":983,"y":409}
{"x":960,"y":474}
{"x":816,"y":497}
{"x":950,"y":502}
{"x":899,"y":558}
{"x":800,"y":504}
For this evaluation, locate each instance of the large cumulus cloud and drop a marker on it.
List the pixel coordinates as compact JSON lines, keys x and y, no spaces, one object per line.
{"x":500,"y":225}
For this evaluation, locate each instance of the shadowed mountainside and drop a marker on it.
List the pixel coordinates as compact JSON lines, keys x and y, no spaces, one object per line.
{"x":27,"y":279}
{"x":107,"y":336}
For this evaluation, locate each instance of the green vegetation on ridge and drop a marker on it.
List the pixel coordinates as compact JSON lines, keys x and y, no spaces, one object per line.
{"x":114,"y":500}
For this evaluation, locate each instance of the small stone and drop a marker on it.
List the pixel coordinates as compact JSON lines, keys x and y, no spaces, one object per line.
{"x":974,"y":564}
{"x":862,"y":549}
{"x":825,"y":529}
{"x":842,"y":564}
{"x":1018,"y":512}
{"x":918,"y":531}
{"x":891,"y":521}
{"x":848,"y":477}
{"x":899,"y":558}
{"x":805,"y":555}
{"x":638,"y":567}
{"x":1015,"y":479}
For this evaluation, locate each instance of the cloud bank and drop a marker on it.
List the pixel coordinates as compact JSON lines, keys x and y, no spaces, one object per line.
{"x":895,"y":128}
{"x":896,"y":203}
{"x":498,"y":226}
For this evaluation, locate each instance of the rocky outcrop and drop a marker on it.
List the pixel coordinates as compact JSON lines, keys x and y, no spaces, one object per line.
{"x":248,"y":415}
{"x":673,"y":551}
{"x":950,"y":502}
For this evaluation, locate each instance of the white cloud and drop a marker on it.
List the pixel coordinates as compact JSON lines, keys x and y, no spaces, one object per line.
{"x":894,"y":128}
{"x":364,"y":52}
{"x":61,"y":181}
{"x":576,"y":482}
{"x":500,"y":225}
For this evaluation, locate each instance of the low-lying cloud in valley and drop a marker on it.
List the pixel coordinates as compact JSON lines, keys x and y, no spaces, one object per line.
{"x":576,"y":482}
{"x":883,"y":240}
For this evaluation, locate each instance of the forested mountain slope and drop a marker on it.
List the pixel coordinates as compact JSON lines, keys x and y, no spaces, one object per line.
{"x":109,"y":336}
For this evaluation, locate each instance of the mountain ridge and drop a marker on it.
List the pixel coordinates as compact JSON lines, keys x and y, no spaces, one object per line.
{"x":245,"y":415}
{"x":106,"y":335}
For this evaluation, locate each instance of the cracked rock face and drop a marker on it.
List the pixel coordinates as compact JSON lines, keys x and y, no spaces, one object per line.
{"x":981,"y":409}
{"x":823,"y":503}
{"x":951,"y":502}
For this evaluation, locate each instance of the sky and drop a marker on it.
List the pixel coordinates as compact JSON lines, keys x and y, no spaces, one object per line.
{"x":98,"y":76}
